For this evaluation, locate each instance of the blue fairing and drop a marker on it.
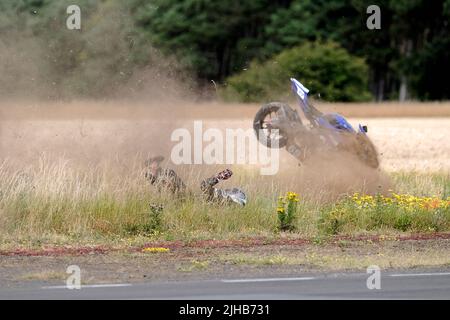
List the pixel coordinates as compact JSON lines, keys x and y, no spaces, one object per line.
{"x":343,"y":123}
{"x":335,"y":121}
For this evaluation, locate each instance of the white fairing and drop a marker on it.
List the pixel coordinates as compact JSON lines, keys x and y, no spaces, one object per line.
{"x":300,"y":89}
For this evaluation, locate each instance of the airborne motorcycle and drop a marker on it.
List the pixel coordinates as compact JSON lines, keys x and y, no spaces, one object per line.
{"x":277,"y":125}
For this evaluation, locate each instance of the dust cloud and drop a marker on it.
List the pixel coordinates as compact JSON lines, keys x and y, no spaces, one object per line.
{"x":55,"y":106}
{"x":328,"y":177}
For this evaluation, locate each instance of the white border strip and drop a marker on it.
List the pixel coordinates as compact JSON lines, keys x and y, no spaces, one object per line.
{"x":420,"y":274}
{"x":266,"y":280}
{"x":92,"y":286}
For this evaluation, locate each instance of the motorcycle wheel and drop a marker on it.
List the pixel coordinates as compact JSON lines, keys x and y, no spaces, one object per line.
{"x":261,"y":124}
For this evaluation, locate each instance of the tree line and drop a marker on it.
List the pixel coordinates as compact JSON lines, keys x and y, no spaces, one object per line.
{"x":224,"y":40}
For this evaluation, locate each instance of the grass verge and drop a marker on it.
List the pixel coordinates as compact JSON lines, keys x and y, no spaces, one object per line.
{"x":61,"y":205}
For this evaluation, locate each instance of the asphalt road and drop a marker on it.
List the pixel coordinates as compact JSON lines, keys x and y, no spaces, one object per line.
{"x":394,"y":285}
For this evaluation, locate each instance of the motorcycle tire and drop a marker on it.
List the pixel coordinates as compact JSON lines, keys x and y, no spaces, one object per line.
{"x":260,"y":118}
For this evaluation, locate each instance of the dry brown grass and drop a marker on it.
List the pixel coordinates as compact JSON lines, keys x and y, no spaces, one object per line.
{"x":389,"y":109}
{"x":204,"y":110}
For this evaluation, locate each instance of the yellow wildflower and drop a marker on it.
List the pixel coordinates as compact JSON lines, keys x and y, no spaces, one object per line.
{"x":155,"y":250}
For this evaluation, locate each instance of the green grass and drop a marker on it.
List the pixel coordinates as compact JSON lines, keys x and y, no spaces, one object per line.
{"x":54,"y":203}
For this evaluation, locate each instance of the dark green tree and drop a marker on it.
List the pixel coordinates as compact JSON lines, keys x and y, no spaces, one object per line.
{"x":213,"y":37}
{"x":327,"y":69}
{"x":403,"y":56}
